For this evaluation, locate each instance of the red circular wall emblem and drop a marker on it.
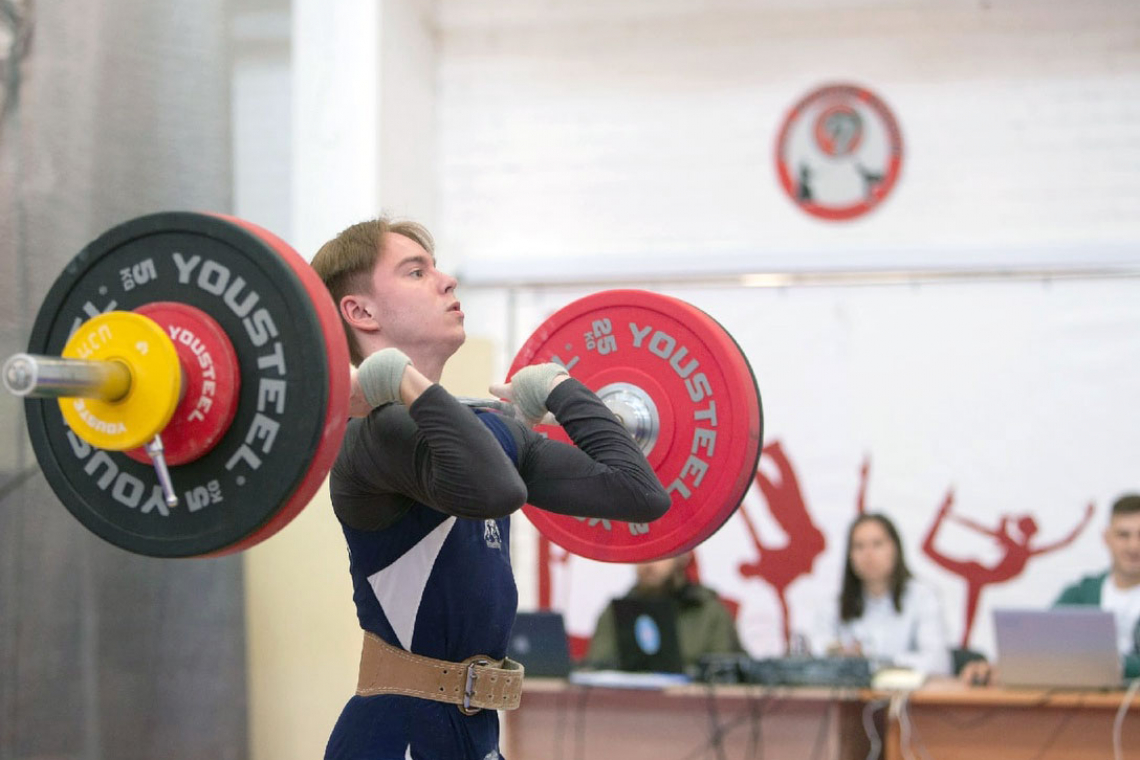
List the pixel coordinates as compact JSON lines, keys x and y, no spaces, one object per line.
{"x":839,"y":152}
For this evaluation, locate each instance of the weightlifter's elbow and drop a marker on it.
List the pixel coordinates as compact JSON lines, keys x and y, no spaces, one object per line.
{"x":497,"y":500}
{"x":646,"y":505}
{"x":657,"y":503}
{"x":508,"y":501}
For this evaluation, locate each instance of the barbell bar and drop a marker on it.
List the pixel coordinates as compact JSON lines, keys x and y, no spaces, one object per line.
{"x":259,"y":394}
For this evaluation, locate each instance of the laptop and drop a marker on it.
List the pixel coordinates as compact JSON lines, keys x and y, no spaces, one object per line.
{"x":1064,"y":647}
{"x":647,"y":639}
{"x":538,"y":641}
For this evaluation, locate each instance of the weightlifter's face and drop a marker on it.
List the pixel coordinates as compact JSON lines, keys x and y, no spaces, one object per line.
{"x":416,"y":303}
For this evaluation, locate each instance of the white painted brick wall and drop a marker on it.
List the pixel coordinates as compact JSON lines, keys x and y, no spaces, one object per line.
{"x":262,"y":125}
{"x":408,"y":178}
{"x":587,"y":137}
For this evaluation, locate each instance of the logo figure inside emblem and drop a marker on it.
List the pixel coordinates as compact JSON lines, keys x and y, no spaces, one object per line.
{"x":839,"y":130}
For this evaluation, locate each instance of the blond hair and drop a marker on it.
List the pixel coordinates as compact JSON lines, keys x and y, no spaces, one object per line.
{"x":346,"y":262}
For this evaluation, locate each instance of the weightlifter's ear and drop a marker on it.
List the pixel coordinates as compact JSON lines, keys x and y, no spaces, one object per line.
{"x":359,"y":312}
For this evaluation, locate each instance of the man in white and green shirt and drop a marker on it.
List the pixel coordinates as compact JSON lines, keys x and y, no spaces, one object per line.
{"x":1118,"y":589}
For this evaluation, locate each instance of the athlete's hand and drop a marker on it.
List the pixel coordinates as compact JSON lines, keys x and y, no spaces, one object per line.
{"x":529,"y":389}
{"x":384,"y":377}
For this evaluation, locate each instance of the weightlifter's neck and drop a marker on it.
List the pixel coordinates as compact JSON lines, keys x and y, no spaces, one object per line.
{"x":428,"y":359}
{"x":430,"y":366}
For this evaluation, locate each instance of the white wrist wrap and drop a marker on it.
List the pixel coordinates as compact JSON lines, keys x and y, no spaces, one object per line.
{"x":380,"y":375}
{"x":530,"y":387}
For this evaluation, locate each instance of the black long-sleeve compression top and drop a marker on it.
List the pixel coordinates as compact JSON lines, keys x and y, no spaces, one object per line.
{"x":437,"y":453}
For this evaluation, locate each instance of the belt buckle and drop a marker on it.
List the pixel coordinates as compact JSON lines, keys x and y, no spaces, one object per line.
{"x":469,"y":686}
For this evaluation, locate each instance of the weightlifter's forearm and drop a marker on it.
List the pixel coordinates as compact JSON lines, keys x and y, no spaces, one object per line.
{"x":596,"y":431}
{"x":620,"y":484}
{"x":459,"y":462}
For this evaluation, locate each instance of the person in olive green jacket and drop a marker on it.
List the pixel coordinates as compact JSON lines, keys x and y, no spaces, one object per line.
{"x":704,"y":625}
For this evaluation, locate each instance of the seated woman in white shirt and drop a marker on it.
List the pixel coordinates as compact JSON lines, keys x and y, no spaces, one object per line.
{"x":884,"y":613}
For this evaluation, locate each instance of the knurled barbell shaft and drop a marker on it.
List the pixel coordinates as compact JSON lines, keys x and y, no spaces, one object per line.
{"x":487,"y":403}
{"x":38,"y":376}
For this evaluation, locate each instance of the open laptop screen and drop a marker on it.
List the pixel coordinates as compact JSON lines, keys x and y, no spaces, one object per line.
{"x":647,"y":635}
{"x":538,"y":641}
{"x":1063,"y":647}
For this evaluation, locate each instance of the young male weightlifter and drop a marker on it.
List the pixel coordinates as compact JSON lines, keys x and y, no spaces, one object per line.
{"x":423,"y":488}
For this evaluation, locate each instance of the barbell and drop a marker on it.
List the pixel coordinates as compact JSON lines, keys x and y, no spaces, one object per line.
{"x":186,"y":392}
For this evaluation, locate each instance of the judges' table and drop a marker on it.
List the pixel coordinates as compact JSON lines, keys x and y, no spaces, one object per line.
{"x":947,"y":720}
{"x":562,"y":720}
{"x":943,"y":720}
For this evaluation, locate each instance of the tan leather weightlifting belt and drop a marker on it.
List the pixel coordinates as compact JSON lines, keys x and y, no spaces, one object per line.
{"x":474,"y":684}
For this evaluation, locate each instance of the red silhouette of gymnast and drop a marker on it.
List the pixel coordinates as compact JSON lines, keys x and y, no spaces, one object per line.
{"x":779,"y":566}
{"x":1014,"y":534}
{"x":861,"y":499}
